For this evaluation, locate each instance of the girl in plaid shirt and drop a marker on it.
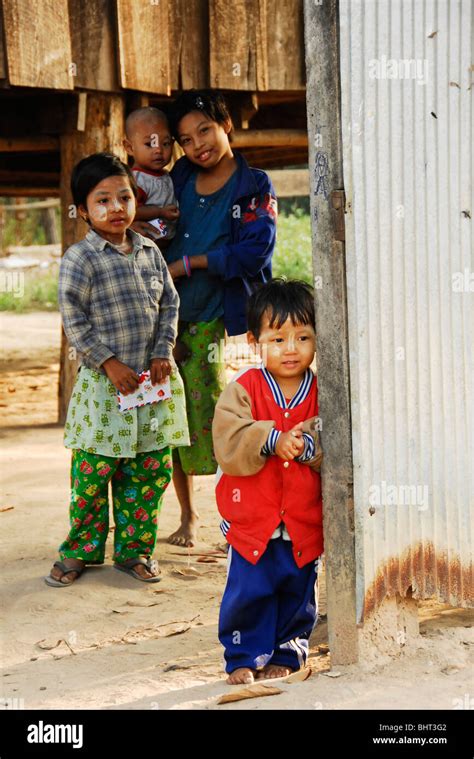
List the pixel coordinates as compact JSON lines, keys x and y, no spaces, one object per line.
{"x":120,"y":314}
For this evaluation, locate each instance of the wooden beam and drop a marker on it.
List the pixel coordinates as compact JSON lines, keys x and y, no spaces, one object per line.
{"x":51,"y":203}
{"x":264,"y":159}
{"x":14,"y":191}
{"x":104,"y":130}
{"x":29,"y":177}
{"x":278,"y":97}
{"x":269,"y":138}
{"x":41,"y":144}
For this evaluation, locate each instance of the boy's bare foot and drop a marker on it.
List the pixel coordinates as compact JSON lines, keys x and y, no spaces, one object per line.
{"x":273,"y":670}
{"x":186,"y":534}
{"x":241,"y":676}
{"x":68,"y":578}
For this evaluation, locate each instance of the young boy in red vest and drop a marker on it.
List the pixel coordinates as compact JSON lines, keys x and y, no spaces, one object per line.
{"x":266,"y":441}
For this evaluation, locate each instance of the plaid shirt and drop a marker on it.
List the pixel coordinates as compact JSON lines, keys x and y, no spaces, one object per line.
{"x":117,"y":305}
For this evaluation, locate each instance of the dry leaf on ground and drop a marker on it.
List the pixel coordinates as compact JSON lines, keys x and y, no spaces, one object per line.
{"x":253,"y":691}
{"x":47,"y":645}
{"x":159,"y":631}
{"x":190,"y":573}
{"x":217,"y":554}
{"x":299,"y":676}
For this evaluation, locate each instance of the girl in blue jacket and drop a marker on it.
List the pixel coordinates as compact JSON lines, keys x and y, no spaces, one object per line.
{"x":222,"y":248}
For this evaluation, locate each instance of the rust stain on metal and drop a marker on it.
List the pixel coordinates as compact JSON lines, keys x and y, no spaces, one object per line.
{"x":422,"y":572}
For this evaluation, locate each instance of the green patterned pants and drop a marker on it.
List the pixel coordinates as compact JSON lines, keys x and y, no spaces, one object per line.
{"x":138,"y":485}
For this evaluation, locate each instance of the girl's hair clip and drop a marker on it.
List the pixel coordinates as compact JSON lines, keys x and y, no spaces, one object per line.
{"x":199,"y":102}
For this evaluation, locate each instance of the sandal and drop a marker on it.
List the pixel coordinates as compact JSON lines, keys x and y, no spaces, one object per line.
{"x":150,"y":564}
{"x":50,"y":580}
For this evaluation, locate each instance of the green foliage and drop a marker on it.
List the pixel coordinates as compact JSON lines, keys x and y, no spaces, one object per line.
{"x":39,"y":292}
{"x":292,"y":256}
{"x":24,"y":227}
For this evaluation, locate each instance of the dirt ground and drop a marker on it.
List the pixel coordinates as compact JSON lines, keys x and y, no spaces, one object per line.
{"x":109,"y":642}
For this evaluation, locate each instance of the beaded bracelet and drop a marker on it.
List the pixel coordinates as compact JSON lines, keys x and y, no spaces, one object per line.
{"x":187,"y":266}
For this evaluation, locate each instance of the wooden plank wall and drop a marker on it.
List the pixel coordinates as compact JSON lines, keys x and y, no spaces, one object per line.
{"x":233,"y":43}
{"x":154,"y":46}
{"x":3,"y":60}
{"x":94,"y":44}
{"x":285,"y":45}
{"x":38,"y":43}
{"x":189,"y":37}
{"x":144,"y":53}
{"x":257,"y":45}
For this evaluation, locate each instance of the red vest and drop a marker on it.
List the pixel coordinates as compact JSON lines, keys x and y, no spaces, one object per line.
{"x":256,"y":504}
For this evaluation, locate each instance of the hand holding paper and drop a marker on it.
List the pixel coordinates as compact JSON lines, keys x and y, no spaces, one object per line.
{"x":145,"y":393}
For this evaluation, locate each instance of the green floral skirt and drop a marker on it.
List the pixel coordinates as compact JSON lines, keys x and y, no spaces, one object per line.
{"x":95,"y":424}
{"x":203,"y":375}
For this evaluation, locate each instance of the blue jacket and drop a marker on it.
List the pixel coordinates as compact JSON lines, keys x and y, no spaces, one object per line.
{"x":246,"y":260}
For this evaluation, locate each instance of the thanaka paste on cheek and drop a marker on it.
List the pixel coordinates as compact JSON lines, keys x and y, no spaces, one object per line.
{"x":98,"y":213}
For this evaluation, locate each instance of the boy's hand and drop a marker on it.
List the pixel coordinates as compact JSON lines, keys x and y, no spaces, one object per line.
{"x":290,"y":444}
{"x":170,"y":213}
{"x":125,"y":379}
{"x":160,"y":369}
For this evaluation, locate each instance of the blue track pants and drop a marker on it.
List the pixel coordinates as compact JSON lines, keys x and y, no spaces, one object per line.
{"x":268,"y":609}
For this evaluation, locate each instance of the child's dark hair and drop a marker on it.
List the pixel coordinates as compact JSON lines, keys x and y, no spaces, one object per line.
{"x":280,"y":299}
{"x":210,"y":102}
{"x":91,"y":170}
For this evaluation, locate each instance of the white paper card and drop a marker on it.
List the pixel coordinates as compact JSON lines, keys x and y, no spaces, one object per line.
{"x":145,"y":393}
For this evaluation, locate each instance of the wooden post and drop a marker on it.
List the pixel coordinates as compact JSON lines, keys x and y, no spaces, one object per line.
{"x":48,"y":220}
{"x":326,"y":179}
{"x":104,"y":130}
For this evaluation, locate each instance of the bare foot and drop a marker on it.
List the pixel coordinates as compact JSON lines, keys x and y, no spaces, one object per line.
{"x":273,"y":670}
{"x":241,"y":676}
{"x":186,"y":534}
{"x":71,"y":576}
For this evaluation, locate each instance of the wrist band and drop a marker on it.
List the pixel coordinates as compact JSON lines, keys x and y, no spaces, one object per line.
{"x":187,"y":266}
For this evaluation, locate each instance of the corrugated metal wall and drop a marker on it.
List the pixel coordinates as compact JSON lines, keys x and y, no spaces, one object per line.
{"x":406,"y":73}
